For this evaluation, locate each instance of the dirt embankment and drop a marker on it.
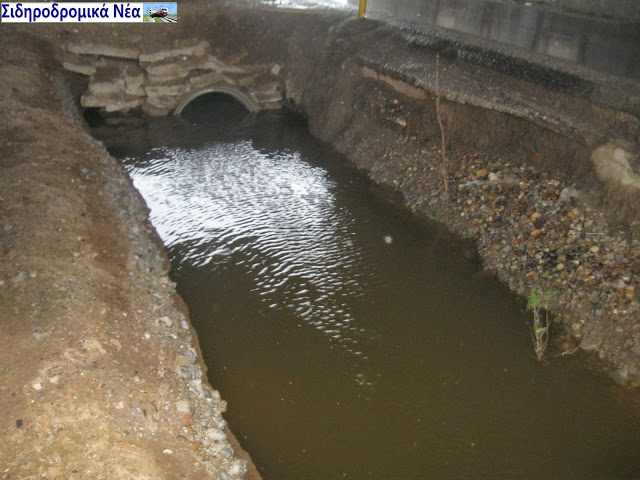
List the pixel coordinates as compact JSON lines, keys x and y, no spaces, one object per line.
{"x":522,"y":168}
{"x":99,"y":367}
{"x":525,"y":157}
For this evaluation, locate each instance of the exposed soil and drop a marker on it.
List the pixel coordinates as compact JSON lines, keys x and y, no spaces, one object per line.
{"x":100,"y":374}
{"x":99,"y":368}
{"x":540,"y":218}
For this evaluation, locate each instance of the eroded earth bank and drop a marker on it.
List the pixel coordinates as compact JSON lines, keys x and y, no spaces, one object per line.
{"x":101,"y":371}
{"x":99,"y":366}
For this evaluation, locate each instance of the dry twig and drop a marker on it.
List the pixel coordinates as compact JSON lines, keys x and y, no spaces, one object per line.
{"x":443,"y":167}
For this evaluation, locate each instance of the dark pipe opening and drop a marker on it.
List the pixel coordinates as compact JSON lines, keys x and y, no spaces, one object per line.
{"x":93,"y":116}
{"x":215,"y":108}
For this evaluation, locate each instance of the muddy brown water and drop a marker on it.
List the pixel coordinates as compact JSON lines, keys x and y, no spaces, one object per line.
{"x":350,"y":339}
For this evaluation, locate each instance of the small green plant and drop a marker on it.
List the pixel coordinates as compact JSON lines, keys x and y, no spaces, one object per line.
{"x":539,"y":302}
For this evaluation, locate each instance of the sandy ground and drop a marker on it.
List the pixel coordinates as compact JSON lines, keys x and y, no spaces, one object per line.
{"x":100,"y":374}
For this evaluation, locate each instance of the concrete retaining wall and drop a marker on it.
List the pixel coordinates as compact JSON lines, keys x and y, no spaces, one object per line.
{"x":627,"y":10}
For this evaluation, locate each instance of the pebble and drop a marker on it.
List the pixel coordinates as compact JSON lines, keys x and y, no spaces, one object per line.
{"x":167,"y":321}
{"x":183,"y":406}
{"x":19,"y":277}
{"x":192,"y":355}
{"x":568,"y":194}
{"x":215,"y":434}
{"x":238,"y":468}
{"x":37,"y":386}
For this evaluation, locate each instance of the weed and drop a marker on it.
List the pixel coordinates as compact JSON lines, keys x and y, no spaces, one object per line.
{"x":539,"y":302}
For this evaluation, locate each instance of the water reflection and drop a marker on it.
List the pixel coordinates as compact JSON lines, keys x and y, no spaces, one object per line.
{"x":259,"y":211}
{"x":609,"y":46}
{"x":290,"y":268}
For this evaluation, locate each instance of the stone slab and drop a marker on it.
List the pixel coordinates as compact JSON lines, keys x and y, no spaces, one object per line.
{"x":82,"y":64}
{"x":244,"y":81}
{"x":163,"y":102}
{"x":268,"y":96}
{"x":106,"y":87}
{"x":103,"y":50}
{"x":613,"y":165}
{"x":197,"y":50}
{"x":178,"y":69}
{"x":271,"y":105}
{"x":165,"y":90}
{"x":124,"y":105}
{"x":134,"y":78}
{"x":207,"y":79}
{"x":154,"y":111}
{"x":111,"y":103}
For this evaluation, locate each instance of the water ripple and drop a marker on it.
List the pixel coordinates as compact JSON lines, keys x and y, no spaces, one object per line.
{"x":273,"y":214}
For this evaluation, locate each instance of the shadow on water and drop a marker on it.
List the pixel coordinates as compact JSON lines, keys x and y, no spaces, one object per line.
{"x":351,"y":340}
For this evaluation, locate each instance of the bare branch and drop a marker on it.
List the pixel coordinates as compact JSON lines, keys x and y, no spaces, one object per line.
{"x":443,"y":166}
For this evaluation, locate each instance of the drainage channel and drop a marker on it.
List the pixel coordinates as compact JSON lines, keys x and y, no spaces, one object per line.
{"x":351,"y":340}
